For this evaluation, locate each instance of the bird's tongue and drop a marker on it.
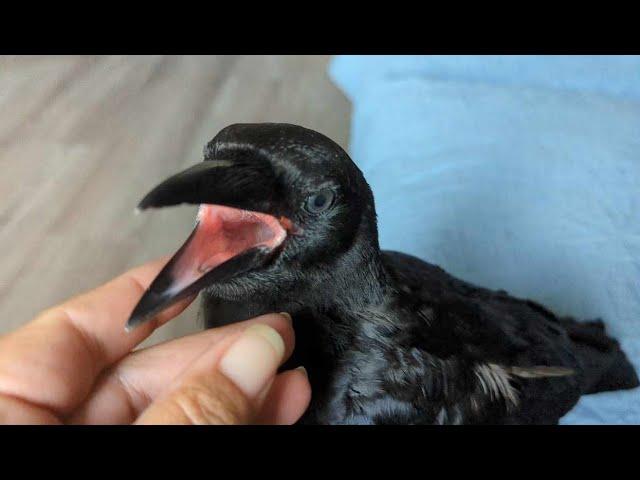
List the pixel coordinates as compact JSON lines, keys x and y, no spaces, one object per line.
{"x":225,"y":242}
{"x":220,"y":234}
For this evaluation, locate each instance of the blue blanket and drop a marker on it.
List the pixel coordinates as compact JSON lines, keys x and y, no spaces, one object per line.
{"x":520,"y":173}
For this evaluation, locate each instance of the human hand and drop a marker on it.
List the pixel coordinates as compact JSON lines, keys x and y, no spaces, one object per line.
{"x":74,"y":364}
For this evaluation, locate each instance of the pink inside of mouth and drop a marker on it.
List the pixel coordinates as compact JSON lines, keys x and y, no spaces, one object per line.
{"x":220,"y":234}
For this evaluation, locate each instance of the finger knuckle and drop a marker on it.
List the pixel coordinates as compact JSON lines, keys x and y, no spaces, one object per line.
{"x":212,"y":405}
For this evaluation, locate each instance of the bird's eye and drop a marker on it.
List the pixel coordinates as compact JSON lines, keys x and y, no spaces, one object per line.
{"x":319,"y":202}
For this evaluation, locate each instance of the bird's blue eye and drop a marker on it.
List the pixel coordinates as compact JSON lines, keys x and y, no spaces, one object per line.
{"x":318,"y":202}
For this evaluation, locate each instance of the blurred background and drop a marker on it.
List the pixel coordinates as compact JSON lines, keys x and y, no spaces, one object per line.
{"x":82,"y":139}
{"x":512,"y":172}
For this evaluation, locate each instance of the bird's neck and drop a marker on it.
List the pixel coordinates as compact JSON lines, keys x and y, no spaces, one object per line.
{"x":359,"y":305}
{"x":357,"y":281}
{"x":342,"y":305}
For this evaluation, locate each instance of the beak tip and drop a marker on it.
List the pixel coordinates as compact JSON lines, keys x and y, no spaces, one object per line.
{"x":148,"y":307}
{"x":144,"y":204}
{"x":133,"y":322}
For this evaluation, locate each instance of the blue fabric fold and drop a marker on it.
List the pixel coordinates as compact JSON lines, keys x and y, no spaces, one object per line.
{"x":521,"y":173}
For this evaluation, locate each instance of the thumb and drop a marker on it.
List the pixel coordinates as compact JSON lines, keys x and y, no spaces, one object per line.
{"x":226,"y":385}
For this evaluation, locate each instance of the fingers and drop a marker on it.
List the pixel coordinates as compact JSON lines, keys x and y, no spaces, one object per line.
{"x":14,"y":411}
{"x":227,"y":385}
{"x":128,"y":388}
{"x":67,"y":346}
{"x":288,"y":398}
{"x":219,"y":376}
{"x":100,"y":314}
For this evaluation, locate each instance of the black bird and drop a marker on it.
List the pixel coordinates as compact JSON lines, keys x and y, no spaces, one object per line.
{"x":287,"y":223}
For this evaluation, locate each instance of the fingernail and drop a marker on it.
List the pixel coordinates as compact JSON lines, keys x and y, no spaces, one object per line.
{"x":303,"y":370}
{"x":253,"y":359}
{"x":286,"y":315}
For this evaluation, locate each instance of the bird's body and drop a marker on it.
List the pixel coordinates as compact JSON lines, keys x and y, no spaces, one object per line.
{"x":438,"y":350}
{"x":386,"y":337}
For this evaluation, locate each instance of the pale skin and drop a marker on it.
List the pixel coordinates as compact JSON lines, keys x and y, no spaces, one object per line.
{"x":75,"y":364}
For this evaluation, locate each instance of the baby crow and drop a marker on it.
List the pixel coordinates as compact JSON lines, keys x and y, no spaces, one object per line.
{"x":287,"y":222}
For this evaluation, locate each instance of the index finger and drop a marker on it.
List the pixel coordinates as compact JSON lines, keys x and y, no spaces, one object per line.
{"x":67,"y":346}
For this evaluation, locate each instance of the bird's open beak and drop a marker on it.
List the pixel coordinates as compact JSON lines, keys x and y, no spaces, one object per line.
{"x":238,"y":229}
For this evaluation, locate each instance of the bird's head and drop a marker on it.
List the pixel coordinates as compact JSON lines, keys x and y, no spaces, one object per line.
{"x":283,"y":211}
